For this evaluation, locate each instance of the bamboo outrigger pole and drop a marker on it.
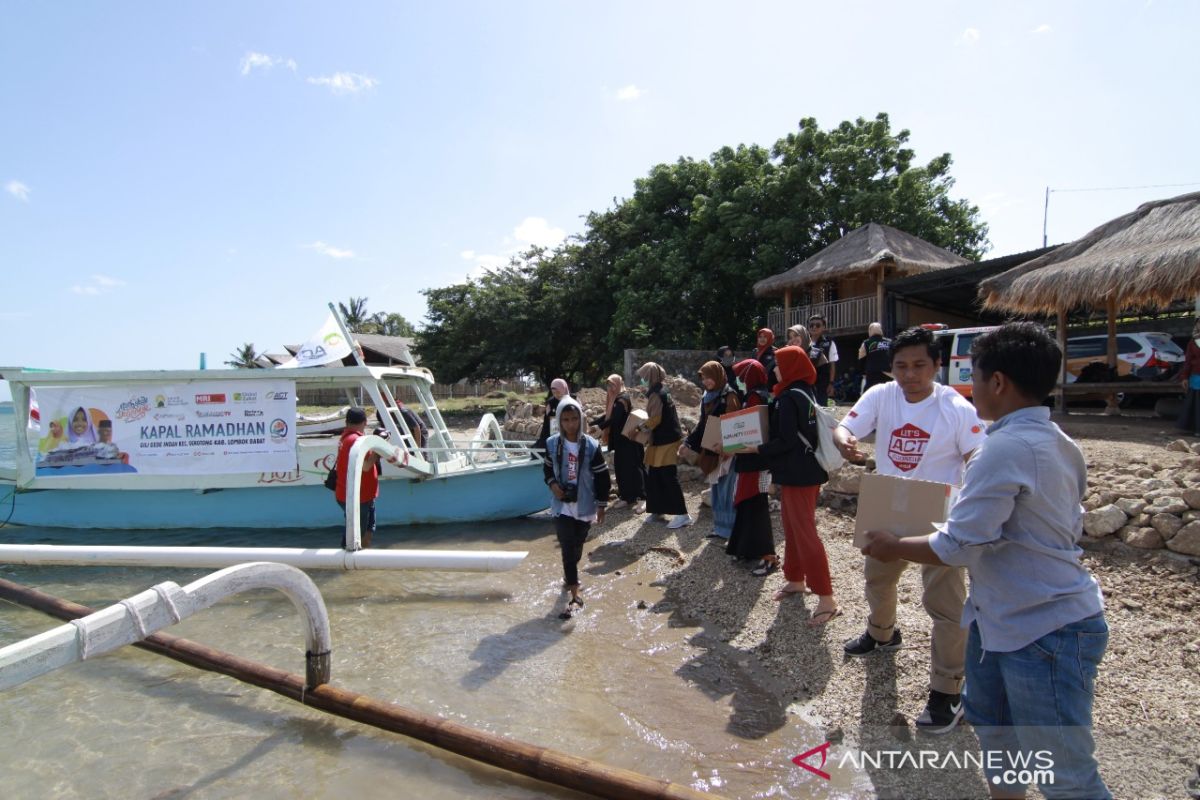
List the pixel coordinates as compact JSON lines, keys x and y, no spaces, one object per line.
{"x":552,"y":766}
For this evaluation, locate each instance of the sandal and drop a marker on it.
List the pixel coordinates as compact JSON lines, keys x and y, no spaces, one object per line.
{"x":764,"y":568}
{"x":823,"y":617}
{"x":784,"y":594}
{"x":575,"y":601}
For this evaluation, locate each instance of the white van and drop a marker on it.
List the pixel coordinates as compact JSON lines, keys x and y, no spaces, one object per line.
{"x":956,"y":354}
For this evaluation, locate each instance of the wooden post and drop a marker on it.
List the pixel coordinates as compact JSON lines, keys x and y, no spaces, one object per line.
{"x":552,"y":766}
{"x":879,"y":293}
{"x":1062,"y":369}
{"x":1111,"y":408}
{"x":787,"y":309}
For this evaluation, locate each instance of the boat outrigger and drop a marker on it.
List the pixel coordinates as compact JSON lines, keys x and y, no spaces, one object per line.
{"x":224,"y":449}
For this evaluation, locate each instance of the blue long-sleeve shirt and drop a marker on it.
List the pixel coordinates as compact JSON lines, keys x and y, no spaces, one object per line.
{"x":1016,"y":527}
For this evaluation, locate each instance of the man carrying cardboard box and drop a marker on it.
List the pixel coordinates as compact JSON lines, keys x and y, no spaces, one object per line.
{"x":927,"y":431}
{"x":1035,"y":616}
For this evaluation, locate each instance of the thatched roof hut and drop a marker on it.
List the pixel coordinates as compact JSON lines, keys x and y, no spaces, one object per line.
{"x":864,"y":249}
{"x":1147,"y":258}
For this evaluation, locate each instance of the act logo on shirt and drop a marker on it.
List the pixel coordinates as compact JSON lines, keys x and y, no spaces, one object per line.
{"x":906,"y":447}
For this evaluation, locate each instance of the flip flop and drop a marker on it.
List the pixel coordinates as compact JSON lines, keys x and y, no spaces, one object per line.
{"x":575,"y":601}
{"x":823,"y":617}
{"x":764,"y":568}
{"x":784,"y":594}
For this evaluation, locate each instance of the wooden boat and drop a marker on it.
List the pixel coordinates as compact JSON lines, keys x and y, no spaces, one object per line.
{"x":224,"y":448}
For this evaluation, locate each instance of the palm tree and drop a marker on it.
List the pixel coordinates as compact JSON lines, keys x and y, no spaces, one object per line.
{"x":355,"y":316}
{"x":243,"y":357}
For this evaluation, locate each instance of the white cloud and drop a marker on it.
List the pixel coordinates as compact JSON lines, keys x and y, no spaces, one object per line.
{"x":467,"y":254}
{"x":969,"y":36}
{"x":329,"y":250}
{"x":630,"y":92}
{"x":345,"y":82}
{"x":253,"y":60}
{"x":1043,"y":28}
{"x":17,"y":190}
{"x":537,"y":231}
{"x":99,"y":284}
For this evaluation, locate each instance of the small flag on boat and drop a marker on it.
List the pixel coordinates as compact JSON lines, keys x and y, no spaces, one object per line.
{"x":325,"y":346}
{"x":35,"y":413}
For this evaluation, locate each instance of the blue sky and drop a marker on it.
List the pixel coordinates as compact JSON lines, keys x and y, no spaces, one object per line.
{"x":183,"y":177}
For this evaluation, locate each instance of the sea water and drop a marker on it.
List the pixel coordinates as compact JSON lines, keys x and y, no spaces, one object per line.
{"x":640,"y":688}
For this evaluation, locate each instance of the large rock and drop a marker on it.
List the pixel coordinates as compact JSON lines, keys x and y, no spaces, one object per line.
{"x":846,"y":480}
{"x":1143,"y":538}
{"x":1166,"y":524}
{"x":1192,"y":497}
{"x":1103,"y":521}
{"x":1187,"y":540}
{"x":1131,"y":505}
{"x":1180,"y":446}
{"x":1167,"y":505}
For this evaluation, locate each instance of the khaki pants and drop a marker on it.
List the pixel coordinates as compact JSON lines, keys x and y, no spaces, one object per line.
{"x":943,"y":598}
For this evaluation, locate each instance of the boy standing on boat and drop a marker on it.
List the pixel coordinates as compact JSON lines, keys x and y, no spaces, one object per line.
{"x":577,"y":474}
{"x":356,"y":427}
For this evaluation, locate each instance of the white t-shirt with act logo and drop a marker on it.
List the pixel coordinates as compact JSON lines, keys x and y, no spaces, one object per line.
{"x":926,"y":440}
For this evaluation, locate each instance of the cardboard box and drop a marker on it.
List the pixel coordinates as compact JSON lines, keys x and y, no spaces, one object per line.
{"x":904,"y":506}
{"x":747,"y":427}
{"x":711,"y":440}
{"x":636,"y":417}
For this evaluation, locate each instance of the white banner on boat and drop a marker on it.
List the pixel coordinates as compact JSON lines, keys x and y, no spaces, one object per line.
{"x":323,"y":347}
{"x":203,"y":428}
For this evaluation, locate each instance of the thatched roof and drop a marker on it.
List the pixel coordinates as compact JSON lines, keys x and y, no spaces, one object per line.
{"x":1147,"y":258}
{"x":861,"y":250}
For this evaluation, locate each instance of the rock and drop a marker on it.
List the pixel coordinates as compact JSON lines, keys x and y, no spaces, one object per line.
{"x":1187,"y":540}
{"x":1190,"y":516}
{"x":1191,"y":497}
{"x":1180,"y":446}
{"x":846,"y":480}
{"x":1144,"y":538}
{"x":1140,"y":520}
{"x":1167,"y":505}
{"x":1145,"y":472}
{"x":1131,"y":505}
{"x":1166,"y":524}
{"x":641,"y":604}
{"x":1103,"y":521}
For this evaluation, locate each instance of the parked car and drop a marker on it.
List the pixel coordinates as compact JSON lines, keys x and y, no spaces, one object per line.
{"x":1150,"y":356}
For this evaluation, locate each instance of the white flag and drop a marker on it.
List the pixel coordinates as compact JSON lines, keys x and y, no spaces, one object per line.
{"x":35,"y":413}
{"x":323,"y":347}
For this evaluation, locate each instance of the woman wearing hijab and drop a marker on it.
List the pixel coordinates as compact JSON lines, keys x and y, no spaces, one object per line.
{"x":79,"y":428}
{"x":752,"y":535}
{"x":664,"y":495}
{"x":628,"y":455}
{"x":726,"y":357}
{"x":558,"y":390}
{"x":794,"y":467}
{"x":719,"y":398}
{"x":764,"y":354}
{"x":1189,"y":419}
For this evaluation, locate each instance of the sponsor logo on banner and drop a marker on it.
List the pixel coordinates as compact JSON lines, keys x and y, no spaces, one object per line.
{"x":252,"y":412}
{"x":277,"y":395}
{"x":133,"y":409}
{"x":279,"y":430}
{"x":245,"y":397}
{"x":161,"y":416}
{"x":213,"y":413}
{"x":202,"y":399}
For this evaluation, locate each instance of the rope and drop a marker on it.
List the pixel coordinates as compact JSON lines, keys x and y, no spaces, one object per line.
{"x":164,"y":592}
{"x":137,"y":617}
{"x":81,"y":634}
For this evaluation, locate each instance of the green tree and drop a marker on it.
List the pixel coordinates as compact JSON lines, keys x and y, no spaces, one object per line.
{"x":673,"y":265}
{"x":388,"y":324}
{"x":355,"y":315}
{"x":243,"y":357}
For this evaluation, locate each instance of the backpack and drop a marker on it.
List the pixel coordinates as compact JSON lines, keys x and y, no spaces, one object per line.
{"x":331,"y":479}
{"x":826,"y":451}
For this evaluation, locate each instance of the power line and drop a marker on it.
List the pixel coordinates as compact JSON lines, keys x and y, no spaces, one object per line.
{"x":1123,"y":188}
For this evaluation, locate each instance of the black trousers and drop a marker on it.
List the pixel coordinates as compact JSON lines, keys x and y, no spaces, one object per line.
{"x":572,"y":533}
{"x":664,"y":495}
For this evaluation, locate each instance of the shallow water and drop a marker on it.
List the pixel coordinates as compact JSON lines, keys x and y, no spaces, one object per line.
{"x":638,"y":688}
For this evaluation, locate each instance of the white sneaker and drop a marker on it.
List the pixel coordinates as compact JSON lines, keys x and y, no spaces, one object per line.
{"x":618,"y":503}
{"x":640,"y":508}
{"x":681,"y":521}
